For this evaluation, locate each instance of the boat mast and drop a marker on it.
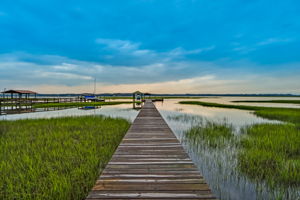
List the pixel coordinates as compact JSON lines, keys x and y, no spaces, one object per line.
{"x":95,"y":86}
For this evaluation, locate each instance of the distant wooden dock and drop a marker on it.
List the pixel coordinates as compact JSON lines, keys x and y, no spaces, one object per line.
{"x":150,"y":163}
{"x":25,"y":105}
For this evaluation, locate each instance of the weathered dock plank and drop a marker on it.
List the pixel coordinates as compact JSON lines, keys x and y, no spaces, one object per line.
{"x":150,"y":163}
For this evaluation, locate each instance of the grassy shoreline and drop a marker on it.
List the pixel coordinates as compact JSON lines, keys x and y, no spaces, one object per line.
{"x":58,"y":158}
{"x":271,"y":152}
{"x":218,"y":105}
{"x":266,"y":152}
{"x":212,"y":134}
{"x":269,"y":101}
{"x":291,"y":115}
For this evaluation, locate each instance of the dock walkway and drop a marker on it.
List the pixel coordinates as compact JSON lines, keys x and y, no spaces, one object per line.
{"x":150,"y":163}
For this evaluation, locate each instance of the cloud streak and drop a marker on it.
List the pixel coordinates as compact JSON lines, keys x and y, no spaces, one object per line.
{"x":196,"y":85}
{"x":133,"y":50}
{"x":74,"y":72}
{"x":120,"y":45}
{"x":271,"y":41}
{"x":69,"y":75}
{"x":256,"y":46}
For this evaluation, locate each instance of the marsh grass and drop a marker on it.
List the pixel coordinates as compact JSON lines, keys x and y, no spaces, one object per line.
{"x":58,"y":158}
{"x":291,"y":115}
{"x":266,"y":154}
{"x":212,"y":134}
{"x":271,"y":152}
{"x":269,"y":101}
{"x":185,"y":118}
{"x":265,"y":157}
{"x":209,"y":104}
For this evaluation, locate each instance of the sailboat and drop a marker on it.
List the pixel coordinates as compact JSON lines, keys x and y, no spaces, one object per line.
{"x":92,"y":98}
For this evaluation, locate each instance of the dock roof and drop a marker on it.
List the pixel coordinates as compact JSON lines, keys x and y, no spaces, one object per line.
{"x":20,"y":91}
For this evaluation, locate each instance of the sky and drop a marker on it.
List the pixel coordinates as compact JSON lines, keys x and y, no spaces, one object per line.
{"x":156,"y":46}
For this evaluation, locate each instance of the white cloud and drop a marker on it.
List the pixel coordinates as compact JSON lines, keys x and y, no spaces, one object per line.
{"x":126,"y":48}
{"x":65,"y":67}
{"x":129,"y":48}
{"x":158,"y":77}
{"x":191,"y":85}
{"x":142,"y":52}
{"x":202,"y":84}
{"x":60,"y":75}
{"x":121,"y":45}
{"x":249,"y":48}
{"x":244,"y":49}
{"x":179,"y":51}
{"x":274,"y":41}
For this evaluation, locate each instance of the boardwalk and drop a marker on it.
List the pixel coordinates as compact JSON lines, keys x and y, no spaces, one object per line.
{"x":150,"y":163}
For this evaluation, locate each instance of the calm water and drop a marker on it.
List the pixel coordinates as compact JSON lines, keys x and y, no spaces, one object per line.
{"x":122,"y":110}
{"x":238,"y":118}
{"x":217,"y":166}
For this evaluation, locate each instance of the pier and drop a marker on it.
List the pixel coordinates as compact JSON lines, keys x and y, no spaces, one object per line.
{"x":24,"y":105}
{"x":150,"y":163}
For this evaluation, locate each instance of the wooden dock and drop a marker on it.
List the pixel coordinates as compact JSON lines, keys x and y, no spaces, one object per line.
{"x":150,"y":163}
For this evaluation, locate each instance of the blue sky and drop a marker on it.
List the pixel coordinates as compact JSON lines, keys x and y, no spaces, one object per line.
{"x":161,"y":46}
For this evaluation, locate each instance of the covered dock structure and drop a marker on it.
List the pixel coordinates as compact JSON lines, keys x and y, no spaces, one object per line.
{"x":20,"y":93}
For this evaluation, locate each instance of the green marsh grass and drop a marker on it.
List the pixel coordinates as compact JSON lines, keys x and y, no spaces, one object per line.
{"x":213,"y":134}
{"x":271,"y":152}
{"x":58,"y":158}
{"x":269,"y":159}
{"x":266,"y":152}
{"x":209,"y":104}
{"x":269,"y":101}
{"x":291,"y":115}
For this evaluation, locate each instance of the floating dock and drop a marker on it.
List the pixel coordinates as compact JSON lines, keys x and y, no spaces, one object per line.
{"x":150,"y":163}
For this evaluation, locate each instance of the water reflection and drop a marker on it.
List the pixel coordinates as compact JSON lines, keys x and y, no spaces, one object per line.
{"x":219,"y":165}
{"x":238,"y":118}
{"x":121,"y":110}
